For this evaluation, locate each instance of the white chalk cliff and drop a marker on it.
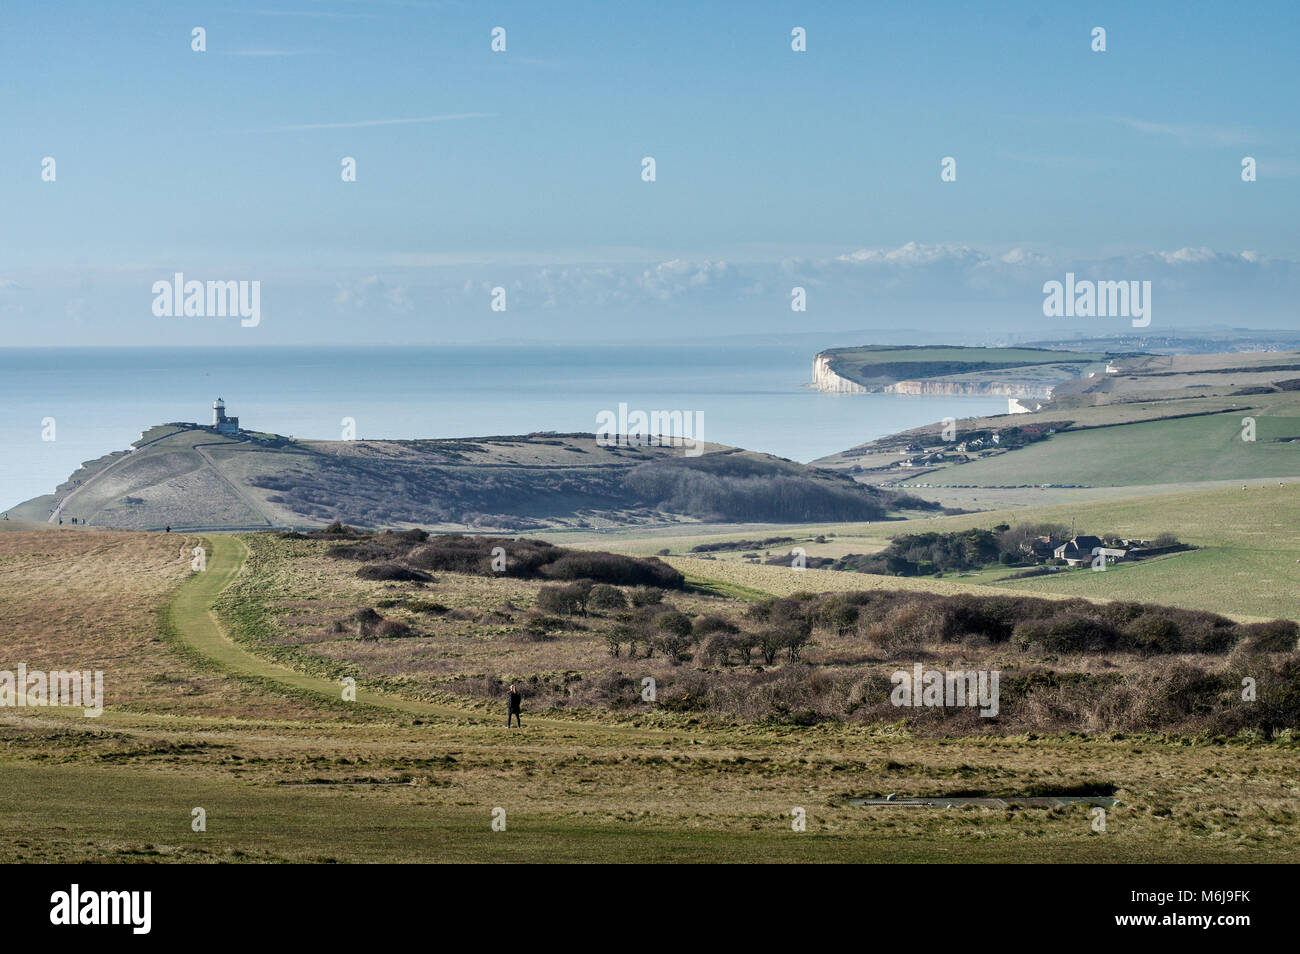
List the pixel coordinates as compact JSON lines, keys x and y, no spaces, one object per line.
{"x":824,"y":379}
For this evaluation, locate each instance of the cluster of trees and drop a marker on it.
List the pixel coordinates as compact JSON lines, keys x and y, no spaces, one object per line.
{"x":743,"y":544}
{"x":643,"y":625}
{"x":1142,"y":628}
{"x":1168,"y":693}
{"x":901,"y":621}
{"x":1172,"y":695}
{"x":409,"y":554}
{"x":713,"y":639}
{"x":926,"y":554}
{"x":898,"y":621}
{"x":584,"y":597}
{"x":922,"y":554}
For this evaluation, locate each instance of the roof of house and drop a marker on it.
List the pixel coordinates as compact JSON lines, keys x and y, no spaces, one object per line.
{"x":1081,"y":544}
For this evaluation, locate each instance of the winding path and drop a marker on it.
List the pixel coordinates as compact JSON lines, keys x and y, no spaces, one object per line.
{"x":233,"y":487}
{"x":57,"y":512}
{"x":195,"y":622}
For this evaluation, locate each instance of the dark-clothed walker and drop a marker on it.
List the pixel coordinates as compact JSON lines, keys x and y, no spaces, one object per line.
{"x":512,"y":706}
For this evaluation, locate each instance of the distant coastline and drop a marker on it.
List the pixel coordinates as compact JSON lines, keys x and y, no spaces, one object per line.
{"x":1015,"y":373}
{"x":750,"y":395}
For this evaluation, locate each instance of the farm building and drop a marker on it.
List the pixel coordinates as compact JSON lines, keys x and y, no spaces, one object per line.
{"x":1080,"y":551}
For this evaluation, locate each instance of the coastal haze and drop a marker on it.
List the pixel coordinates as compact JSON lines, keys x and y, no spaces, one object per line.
{"x":751,"y":396}
{"x":839,"y":433}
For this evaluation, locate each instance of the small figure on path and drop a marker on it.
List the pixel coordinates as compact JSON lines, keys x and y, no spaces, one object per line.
{"x":512,"y":703}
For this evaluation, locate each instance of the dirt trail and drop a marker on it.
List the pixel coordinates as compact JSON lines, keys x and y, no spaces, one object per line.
{"x":58,"y":508}
{"x":196,"y":624}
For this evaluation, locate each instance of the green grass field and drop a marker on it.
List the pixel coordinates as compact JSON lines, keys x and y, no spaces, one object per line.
{"x":877,"y":366}
{"x":1005,"y":357}
{"x":1248,"y":565}
{"x":286,"y":771}
{"x":1204,"y":448}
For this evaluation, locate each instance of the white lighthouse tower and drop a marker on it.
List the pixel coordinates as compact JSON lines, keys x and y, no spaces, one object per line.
{"x":223,"y":424}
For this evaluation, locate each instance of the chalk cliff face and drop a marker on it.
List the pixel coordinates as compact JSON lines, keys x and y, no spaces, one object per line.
{"x":1002,"y":388}
{"x":824,"y":379}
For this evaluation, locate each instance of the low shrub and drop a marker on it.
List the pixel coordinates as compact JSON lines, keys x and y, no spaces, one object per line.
{"x":604,"y":596}
{"x":393,"y":572}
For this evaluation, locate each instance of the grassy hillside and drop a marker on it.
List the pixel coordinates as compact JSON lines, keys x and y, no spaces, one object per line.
{"x":879,"y":366}
{"x":287,"y":771}
{"x":1196,"y":448}
{"x":1247,"y":563}
{"x":190,"y":477}
{"x":1150,"y":421}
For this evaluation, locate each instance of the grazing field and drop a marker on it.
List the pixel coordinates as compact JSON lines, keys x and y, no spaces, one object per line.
{"x":286,"y":771}
{"x":1205,"y":448}
{"x":400,"y":792}
{"x":87,"y":600}
{"x":1247,"y":564}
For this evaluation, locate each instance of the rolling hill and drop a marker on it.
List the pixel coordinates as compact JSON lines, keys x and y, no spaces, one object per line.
{"x":191,"y":477}
{"x":1014,"y":372}
{"x":1144,"y":420}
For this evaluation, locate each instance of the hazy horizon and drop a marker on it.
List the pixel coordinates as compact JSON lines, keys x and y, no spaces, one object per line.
{"x":521,"y":169}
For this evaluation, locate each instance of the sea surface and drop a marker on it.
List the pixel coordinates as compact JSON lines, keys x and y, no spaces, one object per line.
{"x":751,"y":395}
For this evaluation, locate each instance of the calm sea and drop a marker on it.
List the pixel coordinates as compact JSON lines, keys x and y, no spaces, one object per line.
{"x":751,"y":396}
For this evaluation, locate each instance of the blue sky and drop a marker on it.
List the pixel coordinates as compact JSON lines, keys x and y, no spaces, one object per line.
{"x":522,"y":169}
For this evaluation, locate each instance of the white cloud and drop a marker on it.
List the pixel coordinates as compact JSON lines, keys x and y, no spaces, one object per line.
{"x":1020,"y":256}
{"x":1188,"y":256}
{"x":674,"y":278}
{"x":914,"y":253}
{"x":361,"y":294}
{"x":1199,"y":133}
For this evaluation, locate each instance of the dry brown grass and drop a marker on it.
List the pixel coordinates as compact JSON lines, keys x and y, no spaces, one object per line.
{"x":665,"y":788}
{"x":89,"y":600}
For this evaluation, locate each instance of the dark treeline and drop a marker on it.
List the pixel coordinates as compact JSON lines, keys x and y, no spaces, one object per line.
{"x":925,"y":554}
{"x":414,"y":554}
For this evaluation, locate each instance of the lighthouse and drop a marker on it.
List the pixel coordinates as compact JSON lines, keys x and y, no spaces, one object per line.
{"x":221,"y":423}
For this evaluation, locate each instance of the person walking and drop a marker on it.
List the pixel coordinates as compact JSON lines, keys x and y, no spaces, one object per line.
{"x":512,"y":706}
